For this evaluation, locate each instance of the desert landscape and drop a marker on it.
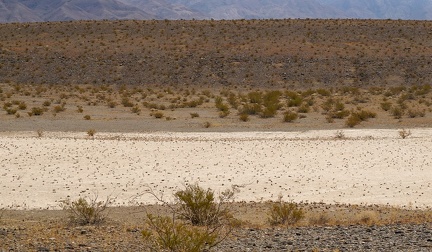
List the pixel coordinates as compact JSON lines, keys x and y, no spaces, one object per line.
{"x":332,"y":117}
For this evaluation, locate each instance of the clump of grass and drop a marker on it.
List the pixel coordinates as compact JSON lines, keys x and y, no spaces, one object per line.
{"x":194,"y":115}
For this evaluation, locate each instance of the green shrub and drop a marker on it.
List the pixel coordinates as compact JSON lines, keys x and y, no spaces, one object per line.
{"x":84,"y":212}
{"x":283,"y":213}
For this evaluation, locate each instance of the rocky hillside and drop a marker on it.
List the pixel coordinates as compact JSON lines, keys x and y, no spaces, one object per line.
{"x":304,"y":53}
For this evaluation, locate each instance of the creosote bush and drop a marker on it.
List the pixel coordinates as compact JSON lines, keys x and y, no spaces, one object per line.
{"x":86,"y":211}
{"x":165,"y":234}
{"x":199,"y":221}
{"x":199,"y":206}
{"x":283,"y":213}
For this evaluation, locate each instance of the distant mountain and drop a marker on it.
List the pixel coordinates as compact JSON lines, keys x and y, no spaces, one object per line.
{"x":56,"y":10}
{"x":13,"y":11}
{"x":260,"y":9}
{"x":61,"y":10}
{"x":383,"y":9}
{"x":165,"y":10}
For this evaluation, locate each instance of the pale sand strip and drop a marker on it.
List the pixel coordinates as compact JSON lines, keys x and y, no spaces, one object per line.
{"x":371,"y":166}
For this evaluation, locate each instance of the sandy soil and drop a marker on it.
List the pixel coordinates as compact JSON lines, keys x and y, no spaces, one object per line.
{"x":367,"y":166}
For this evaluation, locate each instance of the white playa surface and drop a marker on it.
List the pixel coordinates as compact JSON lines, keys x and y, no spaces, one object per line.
{"x":369,"y":167}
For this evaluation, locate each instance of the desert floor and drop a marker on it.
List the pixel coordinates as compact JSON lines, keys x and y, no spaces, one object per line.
{"x":372,"y":166}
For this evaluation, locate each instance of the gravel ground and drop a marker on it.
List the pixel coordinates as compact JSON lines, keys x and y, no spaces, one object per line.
{"x":340,"y":238}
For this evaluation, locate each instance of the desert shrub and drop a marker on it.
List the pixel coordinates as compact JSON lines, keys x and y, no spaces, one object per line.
{"x":290,"y":116}
{"x":46,"y":103}
{"x":386,"y":106}
{"x":126,"y":102}
{"x":39,"y":133}
{"x":364,"y":115}
{"x":135,"y":109}
{"x":232,"y":100}
{"x":11,"y":111}
{"x":199,"y":221}
{"x":86,"y":211}
{"x":22,"y":106}
{"x":412,"y":113}
{"x":244,"y":117}
{"x":59,"y":108}
{"x":91,"y":132}
{"x":283,"y":213}
{"x":80,"y":109}
{"x":403,"y":133}
{"x":295,"y":101}
{"x":305,"y":108}
{"x":323,"y":92}
{"x":194,"y":115}
{"x":397,"y":112}
{"x":158,"y":114}
{"x":251,"y":109}
{"x":223,"y":114}
{"x":367,"y":218}
{"x":271,"y":104}
{"x":111,"y":104}
{"x":207,"y":124}
{"x":200,"y":207}
{"x":87,"y":117}
{"x":353,"y":121}
{"x":36,"y":111}
{"x":165,"y":234}
{"x":340,"y":134}
{"x":255,"y":97}
{"x":320,"y":219}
